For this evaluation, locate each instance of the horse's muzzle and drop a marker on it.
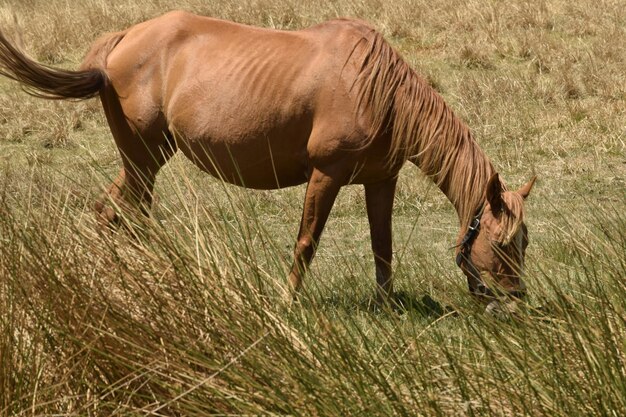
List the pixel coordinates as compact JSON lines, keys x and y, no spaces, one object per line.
{"x":497,"y":288}
{"x":502,"y":304}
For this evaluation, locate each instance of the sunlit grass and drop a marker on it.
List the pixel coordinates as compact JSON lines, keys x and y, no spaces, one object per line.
{"x":189,"y":319}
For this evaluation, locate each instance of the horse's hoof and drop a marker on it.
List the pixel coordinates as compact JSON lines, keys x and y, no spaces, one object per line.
{"x":106,"y":216}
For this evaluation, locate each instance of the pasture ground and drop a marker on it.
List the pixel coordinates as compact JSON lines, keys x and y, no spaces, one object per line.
{"x":188,"y":321}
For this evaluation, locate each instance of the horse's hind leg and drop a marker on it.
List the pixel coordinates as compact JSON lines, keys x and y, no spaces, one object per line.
{"x":379,"y":201}
{"x":143,"y":154}
{"x":322,"y":189}
{"x":132,"y":189}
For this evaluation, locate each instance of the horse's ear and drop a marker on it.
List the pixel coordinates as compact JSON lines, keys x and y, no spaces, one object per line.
{"x":494,"y":193}
{"x":525,"y":189}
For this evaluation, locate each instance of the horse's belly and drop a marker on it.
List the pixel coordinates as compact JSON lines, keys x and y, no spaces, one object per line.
{"x":249,"y":164}
{"x":252,"y":143}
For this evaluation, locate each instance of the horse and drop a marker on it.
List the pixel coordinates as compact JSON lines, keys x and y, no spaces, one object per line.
{"x":329,"y":105}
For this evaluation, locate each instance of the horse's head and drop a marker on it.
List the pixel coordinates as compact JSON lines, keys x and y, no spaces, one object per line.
{"x":491,"y":253}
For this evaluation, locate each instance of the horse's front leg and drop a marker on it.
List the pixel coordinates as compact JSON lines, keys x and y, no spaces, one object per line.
{"x":379,"y":200}
{"x":322,"y":189}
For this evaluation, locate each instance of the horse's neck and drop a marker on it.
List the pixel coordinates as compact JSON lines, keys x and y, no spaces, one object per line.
{"x":460,"y":169}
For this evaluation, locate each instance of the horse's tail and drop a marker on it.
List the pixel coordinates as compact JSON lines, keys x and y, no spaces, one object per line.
{"x":54,"y":83}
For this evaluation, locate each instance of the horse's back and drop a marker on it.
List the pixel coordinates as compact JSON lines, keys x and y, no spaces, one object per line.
{"x":183,"y":52}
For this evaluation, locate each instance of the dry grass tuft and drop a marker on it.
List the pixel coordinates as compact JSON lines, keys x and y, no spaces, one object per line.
{"x":474,"y":58}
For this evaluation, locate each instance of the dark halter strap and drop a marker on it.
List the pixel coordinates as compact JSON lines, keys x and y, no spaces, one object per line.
{"x":464,"y":255}
{"x":468,"y":238}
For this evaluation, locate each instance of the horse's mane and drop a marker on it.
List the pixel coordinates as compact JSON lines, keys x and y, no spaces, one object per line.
{"x":423,"y":128}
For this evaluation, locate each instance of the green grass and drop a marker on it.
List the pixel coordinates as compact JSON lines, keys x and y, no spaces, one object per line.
{"x":188,"y":319}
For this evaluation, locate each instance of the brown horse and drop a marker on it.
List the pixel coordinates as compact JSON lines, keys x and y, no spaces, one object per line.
{"x":329,"y":105}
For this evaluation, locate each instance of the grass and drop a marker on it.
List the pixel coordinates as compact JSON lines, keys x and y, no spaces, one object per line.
{"x":188,"y":320}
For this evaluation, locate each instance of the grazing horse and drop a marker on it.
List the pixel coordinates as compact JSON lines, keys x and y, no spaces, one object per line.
{"x":329,"y":105}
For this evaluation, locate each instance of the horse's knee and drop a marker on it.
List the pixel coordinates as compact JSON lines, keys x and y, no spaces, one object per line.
{"x":304,"y":248}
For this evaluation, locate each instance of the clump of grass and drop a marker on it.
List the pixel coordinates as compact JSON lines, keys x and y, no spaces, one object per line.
{"x":473,"y":58}
{"x":188,"y":319}
{"x":52,"y":125}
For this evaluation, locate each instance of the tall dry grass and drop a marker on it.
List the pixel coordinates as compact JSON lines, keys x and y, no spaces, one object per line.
{"x":187,"y":320}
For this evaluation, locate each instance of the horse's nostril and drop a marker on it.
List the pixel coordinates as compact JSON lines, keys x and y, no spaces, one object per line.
{"x":482,"y":289}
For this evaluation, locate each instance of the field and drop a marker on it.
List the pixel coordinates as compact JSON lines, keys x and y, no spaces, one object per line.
{"x":189,"y":320}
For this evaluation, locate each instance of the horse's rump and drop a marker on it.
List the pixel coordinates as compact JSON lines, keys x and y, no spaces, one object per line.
{"x":100,"y":50}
